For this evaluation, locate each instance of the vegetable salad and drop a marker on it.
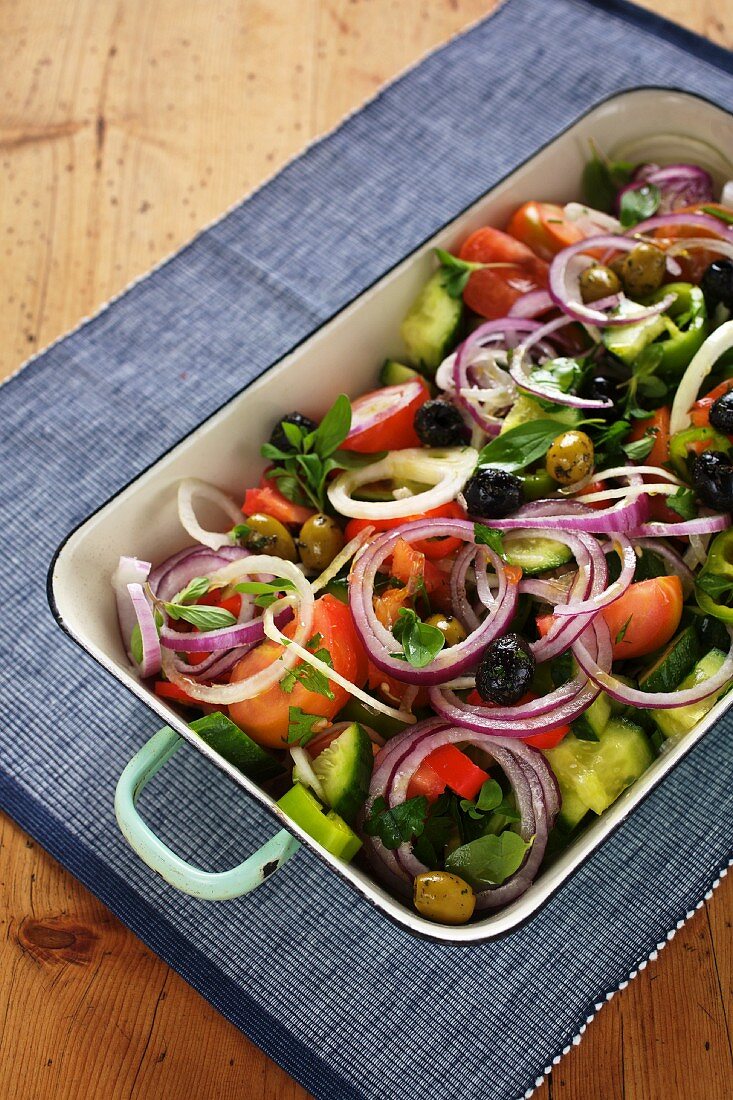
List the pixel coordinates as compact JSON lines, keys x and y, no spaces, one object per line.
{"x":460,"y":614}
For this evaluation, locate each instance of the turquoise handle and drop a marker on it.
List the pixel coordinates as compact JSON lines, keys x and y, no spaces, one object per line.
{"x":208,"y":885}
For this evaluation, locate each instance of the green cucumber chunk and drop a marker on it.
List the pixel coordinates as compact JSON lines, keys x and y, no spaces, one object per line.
{"x":572,"y":811}
{"x":536,"y":555}
{"x":674,"y":664}
{"x":596,"y":772}
{"x":526,"y":408}
{"x":330,"y":830}
{"x":593,"y":722}
{"x":628,"y":341}
{"x":394,"y":373}
{"x":678,"y":721}
{"x":226,"y":738}
{"x":344,"y":770}
{"x":431,"y":326}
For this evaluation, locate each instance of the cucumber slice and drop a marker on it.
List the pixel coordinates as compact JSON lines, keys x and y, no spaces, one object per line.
{"x":234,"y":745}
{"x":677,"y":722}
{"x":676,"y":662}
{"x":344,"y":770}
{"x":526,"y":408}
{"x":393,"y":373}
{"x":431,"y":326}
{"x":572,"y":811}
{"x":597,"y":772}
{"x":591,"y":725}
{"x":628,"y":341}
{"x":536,"y":555}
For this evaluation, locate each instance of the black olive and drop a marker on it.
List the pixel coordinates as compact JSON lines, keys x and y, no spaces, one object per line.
{"x":721,"y":414}
{"x":278,"y":437}
{"x":492,"y":493}
{"x":439,"y":424}
{"x":717,"y":284}
{"x":712,"y":476}
{"x":505,"y":671}
{"x":601,"y":388}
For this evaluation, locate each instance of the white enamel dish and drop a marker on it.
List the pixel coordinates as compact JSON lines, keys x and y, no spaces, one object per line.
{"x":141,"y":519}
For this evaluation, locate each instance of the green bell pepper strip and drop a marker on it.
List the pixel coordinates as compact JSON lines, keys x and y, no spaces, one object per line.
{"x":330,"y":830}
{"x":716,"y":576}
{"x":539,"y":485}
{"x":681,"y":343}
{"x":683,"y":444}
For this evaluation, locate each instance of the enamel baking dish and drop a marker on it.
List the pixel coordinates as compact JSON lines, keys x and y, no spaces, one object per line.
{"x":141,"y":520}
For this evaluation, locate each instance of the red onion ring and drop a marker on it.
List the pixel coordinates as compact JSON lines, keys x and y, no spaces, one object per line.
{"x":195,"y":561}
{"x":696,"y":221}
{"x":523,"y":379}
{"x":702,"y":525}
{"x":151,"y":660}
{"x":532,"y":305}
{"x":625,"y":516}
{"x":129,"y":571}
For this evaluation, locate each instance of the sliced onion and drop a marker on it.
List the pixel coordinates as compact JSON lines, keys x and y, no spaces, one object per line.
{"x":532,"y":305}
{"x":568,"y":296}
{"x":129,"y":571}
{"x":702,"y":363}
{"x":306,"y":775}
{"x":150,"y":664}
{"x":188,"y":490}
{"x":498,"y":336}
{"x":702,"y":525}
{"x":679,"y":185}
{"x":695,"y":221}
{"x":649,"y":700}
{"x":518,"y":371}
{"x":349,"y":551}
{"x":625,"y":551}
{"x":626,"y":516}
{"x":589,"y":221}
{"x":446,"y":470}
{"x":722,"y":248}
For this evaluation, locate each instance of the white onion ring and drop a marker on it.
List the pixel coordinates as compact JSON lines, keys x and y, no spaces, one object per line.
{"x":192,"y":487}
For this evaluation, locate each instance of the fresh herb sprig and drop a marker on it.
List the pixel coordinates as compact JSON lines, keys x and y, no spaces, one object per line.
{"x":602,"y":179}
{"x":639,"y":203}
{"x":184,"y":608}
{"x":421,"y":642}
{"x":397,"y":825}
{"x":266,"y":592}
{"x":521,"y":446}
{"x":303,"y":727}
{"x":490,"y":800}
{"x":311,"y":678}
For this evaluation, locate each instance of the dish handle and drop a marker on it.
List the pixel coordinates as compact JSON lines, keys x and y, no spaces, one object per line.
{"x":207,"y":885}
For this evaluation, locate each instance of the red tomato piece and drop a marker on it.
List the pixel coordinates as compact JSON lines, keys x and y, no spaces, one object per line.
{"x":658,"y":425}
{"x":267,"y":498}
{"x":543,"y":227}
{"x":433,"y":548}
{"x":383,"y":420}
{"x":265,"y":718}
{"x":447,"y":767}
{"x":642,"y":620}
{"x":492,"y":291}
{"x":172,"y":692}
{"x":426,"y":782}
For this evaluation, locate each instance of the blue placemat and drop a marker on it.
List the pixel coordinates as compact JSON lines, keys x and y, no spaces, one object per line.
{"x":347,"y":1003}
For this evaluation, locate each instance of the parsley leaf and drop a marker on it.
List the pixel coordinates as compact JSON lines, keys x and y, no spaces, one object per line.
{"x":303,"y":727}
{"x":421,"y":642}
{"x":561,"y":375}
{"x":639,"y":203}
{"x":683,"y":503}
{"x":456,"y":272}
{"x":398,"y":825}
{"x":521,"y":446}
{"x":622,"y":632}
{"x":488,"y":536}
{"x":205,"y":618}
{"x":301,"y":473}
{"x":311,"y":678}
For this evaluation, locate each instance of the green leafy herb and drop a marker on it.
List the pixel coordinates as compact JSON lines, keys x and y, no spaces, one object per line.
{"x":643,"y":382}
{"x":421,"y":643}
{"x":490,"y":859}
{"x":440,"y":825}
{"x":398,"y":825}
{"x":521,"y":446}
{"x":193,"y":591}
{"x":717,"y":585}
{"x":683,"y":503}
{"x":622,"y":632}
{"x":136,"y":644}
{"x":563,"y":375}
{"x":205,"y":618}
{"x":608,"y":441}
{"x":240,"y":533}
{"x":267,"y":593}
{"x":602,"y":178}
{"x":723,"y":215}
{"x":303,"y":727}
{"x":640,"y":448}
{"x":488,"y":536}
{"x":457,"y":272}
{"x":301,"y":473}
{"x":311,"y":678}
{"x":490,"y":800}
{"x":639,"y":203}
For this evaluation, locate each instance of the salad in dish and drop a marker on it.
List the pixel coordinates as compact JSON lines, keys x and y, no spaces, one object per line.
{"x":458,"y":615}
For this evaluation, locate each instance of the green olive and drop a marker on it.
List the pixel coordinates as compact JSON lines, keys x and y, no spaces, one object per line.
{"x":267,"y":535}
{"x":443,"y":897}
{"x":449,"y":627}
{"x":320,"y":540}
{"x":570,"y":458}
{"x":641,"y":270}
{"x":598,"y":281}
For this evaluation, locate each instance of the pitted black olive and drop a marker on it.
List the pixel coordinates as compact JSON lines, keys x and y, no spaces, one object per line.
{"x":712,"y":476}
{"x":505,"y":671}
{"x":278,"y":437}
{"x":717,"y":284}
{"x":721,"y":414}
{"x":440,"y":424}
{"x":601,"y":388}
{"x":492,"y":493}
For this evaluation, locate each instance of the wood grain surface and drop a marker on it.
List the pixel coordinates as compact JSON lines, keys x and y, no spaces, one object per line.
{"x":125,"y":126}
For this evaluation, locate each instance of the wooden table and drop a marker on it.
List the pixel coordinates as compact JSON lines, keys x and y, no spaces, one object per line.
{"x":124,"y":128}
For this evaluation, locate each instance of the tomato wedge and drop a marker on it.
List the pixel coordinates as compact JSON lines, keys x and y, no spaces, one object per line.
{"x":267,"y":498}
{"x":543,"y":227}
{"x":265,"y":718}
{"x":447,"y":767}
{"x":657,"y":425}
{"x":383,"y":420}
{"x":492,"y":291}
{"x":433,"y":548}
